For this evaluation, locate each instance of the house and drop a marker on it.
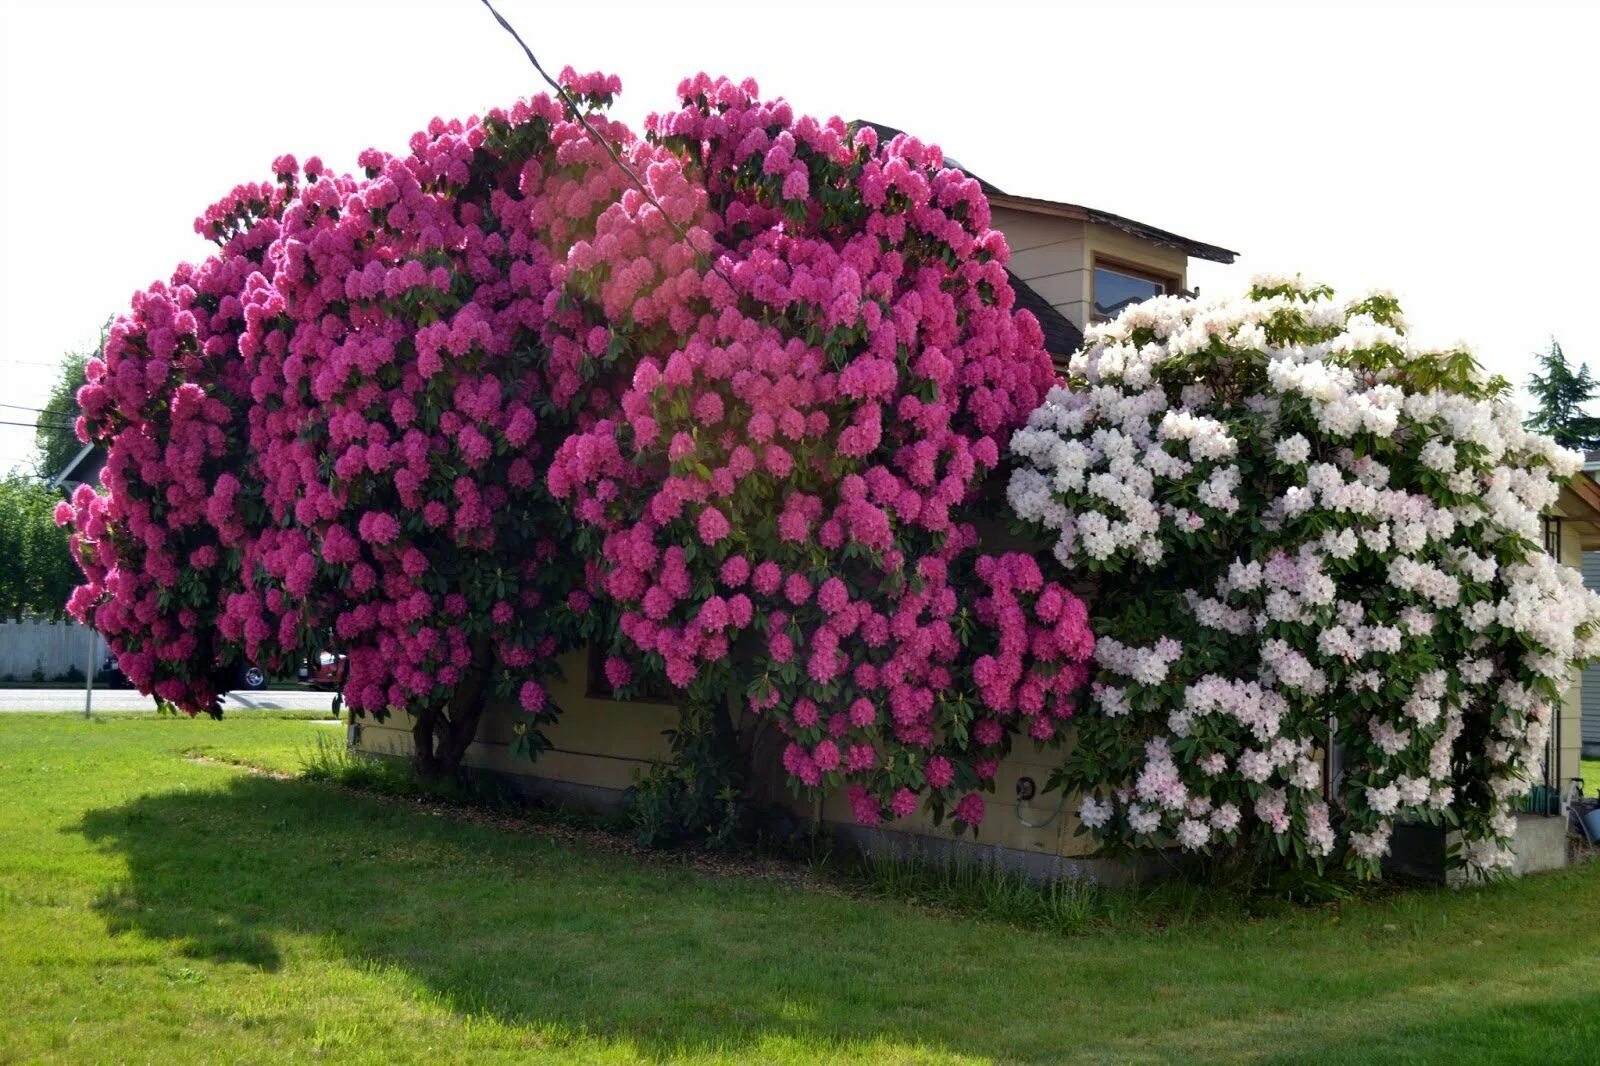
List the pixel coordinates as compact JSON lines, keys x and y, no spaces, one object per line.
{"x":1588,"y":560}
{"x":83,"y":469}
{"x":1070,"y":266}
{"x":1572,"y":535}
{"x":1078,"y":265}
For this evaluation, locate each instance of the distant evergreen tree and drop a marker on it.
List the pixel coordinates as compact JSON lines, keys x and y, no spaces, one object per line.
{"x":1561,"y":394}
{"x":55,"y":446}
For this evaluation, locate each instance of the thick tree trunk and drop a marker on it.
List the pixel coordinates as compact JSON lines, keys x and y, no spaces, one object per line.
{"x":757,"y":750}
{"x":443,"y":733}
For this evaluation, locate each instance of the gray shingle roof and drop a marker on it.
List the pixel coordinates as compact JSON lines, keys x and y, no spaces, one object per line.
{"x":1198,"y":249}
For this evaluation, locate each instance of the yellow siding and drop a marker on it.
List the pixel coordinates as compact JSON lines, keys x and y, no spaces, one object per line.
{"x":1029,"y":231}
{"x":606,"y":744}
{"x":1113,"y":243}
{"x":1051,"y":255}
{"x":1066,"y":254}
{"x":1068,"y":292}
{"x":1056,"y":257}
{"x":597,"y":742}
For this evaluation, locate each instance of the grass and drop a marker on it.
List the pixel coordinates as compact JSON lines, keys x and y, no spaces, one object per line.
{"x":1591,"y":777}
{"x":158,"y":907}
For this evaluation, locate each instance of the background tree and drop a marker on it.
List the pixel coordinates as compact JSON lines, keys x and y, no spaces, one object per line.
{"x":54,"y":447}
{"x":1561,"y":393}
{"x":37,"y":572}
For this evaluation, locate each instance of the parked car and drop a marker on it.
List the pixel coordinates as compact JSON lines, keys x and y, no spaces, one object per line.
{"x":110,"y":675}
{"x":246,"y":676}
{"x":326,"y":675}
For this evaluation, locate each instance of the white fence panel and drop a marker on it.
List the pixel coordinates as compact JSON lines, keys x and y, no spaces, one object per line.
{"x":51,"y":649}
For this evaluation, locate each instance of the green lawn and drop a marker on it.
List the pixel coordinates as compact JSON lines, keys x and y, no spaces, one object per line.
{"x":155,"y":908}
{"x":1591,"y":776}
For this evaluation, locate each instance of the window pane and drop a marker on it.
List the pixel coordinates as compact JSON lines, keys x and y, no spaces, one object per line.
{"x":1114,"y":291}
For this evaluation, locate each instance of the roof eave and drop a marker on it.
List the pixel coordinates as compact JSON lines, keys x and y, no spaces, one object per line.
{"x":66,"y":472}
{"x":999,"y":198}
{"x":1079,"y":213}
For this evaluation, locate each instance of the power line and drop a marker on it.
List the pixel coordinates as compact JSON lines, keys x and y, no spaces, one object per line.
{"x":19,"y":407}
{"x":594,"y":135}
{"x":40,"y":425}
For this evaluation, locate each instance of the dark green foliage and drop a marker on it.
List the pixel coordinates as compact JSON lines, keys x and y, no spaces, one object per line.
{"x":1561,"y":394}
{"x":54,"y":446}
{"x":37,"y":572}
{"x":698,"y":797}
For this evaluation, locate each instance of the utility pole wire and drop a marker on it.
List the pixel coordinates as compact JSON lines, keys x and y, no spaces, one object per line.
{"x":38,"y":425}
{"x":594,"y":135}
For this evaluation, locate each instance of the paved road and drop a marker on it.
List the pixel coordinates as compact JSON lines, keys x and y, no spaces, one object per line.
{"x":127,"y":699}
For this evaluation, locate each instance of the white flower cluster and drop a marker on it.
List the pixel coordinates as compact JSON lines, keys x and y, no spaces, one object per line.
{"x":1344,"y":537}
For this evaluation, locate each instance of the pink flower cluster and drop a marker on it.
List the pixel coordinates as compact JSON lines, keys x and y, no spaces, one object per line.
{"x":160,"y":550}
{"x":1044,"y":645}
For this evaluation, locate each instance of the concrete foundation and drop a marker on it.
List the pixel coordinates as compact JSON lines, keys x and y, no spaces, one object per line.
{"x":1036,"y":866}
{"x":1419,"y":851}
{"x":1541,"y":843}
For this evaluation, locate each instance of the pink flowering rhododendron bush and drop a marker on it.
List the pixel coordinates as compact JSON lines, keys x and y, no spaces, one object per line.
{"x":783,"y":501}
{"x":333,"y":434}
{"x":164,"y":547}
{"x":1318,"y":550}
{"x":447,"y":416}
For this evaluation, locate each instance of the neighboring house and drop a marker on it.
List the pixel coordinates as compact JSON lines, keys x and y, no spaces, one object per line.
{"x":1572,"y":535}
{"x":83,"y":469}
{"x":1591,"y":677}
{"x":1589,"y":548}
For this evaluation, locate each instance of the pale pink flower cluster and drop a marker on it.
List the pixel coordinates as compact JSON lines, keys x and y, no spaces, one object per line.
{"x":1371,"y":593}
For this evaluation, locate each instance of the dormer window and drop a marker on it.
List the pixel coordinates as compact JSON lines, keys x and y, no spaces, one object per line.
{"x":1118,"y":286}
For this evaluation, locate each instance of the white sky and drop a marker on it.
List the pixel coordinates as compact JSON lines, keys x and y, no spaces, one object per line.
{"x":1445,"y":150}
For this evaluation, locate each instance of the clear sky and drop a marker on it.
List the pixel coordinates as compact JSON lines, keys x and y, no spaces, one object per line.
{"x":1445,"y":150}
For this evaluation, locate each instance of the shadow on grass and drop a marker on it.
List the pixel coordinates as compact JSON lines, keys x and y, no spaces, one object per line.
{"x":519,"y":927}
{"x":534,"y":932}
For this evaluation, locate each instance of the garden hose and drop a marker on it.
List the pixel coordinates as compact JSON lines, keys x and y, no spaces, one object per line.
{"x":1060,"y":806}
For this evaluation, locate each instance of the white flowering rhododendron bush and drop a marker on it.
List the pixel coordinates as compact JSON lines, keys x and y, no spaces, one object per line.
{"x":487,"y":400}
{"x":1317,"y":550}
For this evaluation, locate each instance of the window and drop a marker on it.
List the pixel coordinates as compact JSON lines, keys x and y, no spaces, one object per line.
{"x":654,"y":689}
{"x":1552,"y":537}
{"x":1117,"y":288}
